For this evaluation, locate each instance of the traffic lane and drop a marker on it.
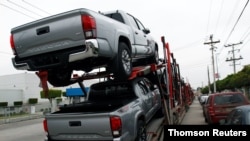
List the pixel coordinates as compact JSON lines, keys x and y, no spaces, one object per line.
{"x":194,"y":115}
{"x":30,"y":130}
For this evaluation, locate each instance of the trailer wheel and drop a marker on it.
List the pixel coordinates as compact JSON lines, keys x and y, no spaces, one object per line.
{"x":59,"y":77}
{"x":123,"y":62}
{"x":141,"y":131}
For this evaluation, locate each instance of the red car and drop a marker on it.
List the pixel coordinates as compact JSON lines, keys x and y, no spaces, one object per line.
{"x":219,"y":105}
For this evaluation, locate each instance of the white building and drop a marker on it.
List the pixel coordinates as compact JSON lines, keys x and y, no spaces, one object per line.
{"x":21,"y":87}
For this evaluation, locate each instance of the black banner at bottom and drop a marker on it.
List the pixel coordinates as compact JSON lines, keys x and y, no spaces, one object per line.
{"x":206,"y":131}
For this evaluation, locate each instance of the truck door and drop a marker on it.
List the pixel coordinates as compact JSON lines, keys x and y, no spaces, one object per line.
{"x":140,"y":37}
{"x":146,"y":97}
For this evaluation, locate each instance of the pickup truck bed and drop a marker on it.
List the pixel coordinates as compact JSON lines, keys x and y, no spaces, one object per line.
{"x":95,"y":106}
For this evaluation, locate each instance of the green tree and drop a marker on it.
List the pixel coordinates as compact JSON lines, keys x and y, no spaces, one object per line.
{"x":234,"y":81}
{"x":52,"y":93}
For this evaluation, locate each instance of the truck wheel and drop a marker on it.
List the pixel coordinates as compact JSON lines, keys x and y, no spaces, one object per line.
{"x":59,"y":78}
{"x":141,"y":131}
{"x":206,"y":120}
{"x":160,"y":113}
{"x":123,"y":62}
{"x":156,"y":56}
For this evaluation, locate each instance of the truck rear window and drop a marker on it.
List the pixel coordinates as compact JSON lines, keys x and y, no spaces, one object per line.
{"x":105,"y":92}
{"x":116,"y":16}
{"x":228,"y":99}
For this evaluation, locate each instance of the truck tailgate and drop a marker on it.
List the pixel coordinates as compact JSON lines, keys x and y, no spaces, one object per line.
{"x":79,"y":126}
{"x":49,"y":34}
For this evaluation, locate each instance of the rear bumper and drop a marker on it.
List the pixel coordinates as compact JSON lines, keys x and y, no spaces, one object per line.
{"x":216,"y":119}
{"x":60,"y":58}
{"x":123,"y":137}
{"x":115,"y":139}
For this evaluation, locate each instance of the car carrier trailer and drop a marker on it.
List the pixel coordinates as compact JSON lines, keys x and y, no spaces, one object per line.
{"x":176,"y":94}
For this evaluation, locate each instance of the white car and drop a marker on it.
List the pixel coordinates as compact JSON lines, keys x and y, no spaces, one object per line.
{"x":203,"y":99}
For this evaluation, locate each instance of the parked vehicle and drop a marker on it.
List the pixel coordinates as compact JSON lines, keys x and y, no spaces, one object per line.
{"x":114,"y":110}
{"x":202,"y":99}
{"x":82,"y":40}
{"x":220,"y":104}
{"x":203,"y":103}
{"x":238,"y":116}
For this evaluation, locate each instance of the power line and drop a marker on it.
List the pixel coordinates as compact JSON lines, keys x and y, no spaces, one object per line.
{"x":234,"y":27}
{"x":218,"y":19}
{"x":36,"y":7}
{"x":24,"y":8}
{"x":189,"y":45}
{"x":234,"y":59}
{"x":229,"y":21}
{"x":246,"y":34}
{"x":17,"y":11}
{"x":237,"y":21}
{"x":208,"y":22}
{"x":236,"y":5}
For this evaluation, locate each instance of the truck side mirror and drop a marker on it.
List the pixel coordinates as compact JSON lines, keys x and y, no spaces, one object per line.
{"x":146,"y":30}
{"x":153,"y":87}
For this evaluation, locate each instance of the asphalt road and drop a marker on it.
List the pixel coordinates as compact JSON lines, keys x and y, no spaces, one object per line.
{"x":30,"y":130}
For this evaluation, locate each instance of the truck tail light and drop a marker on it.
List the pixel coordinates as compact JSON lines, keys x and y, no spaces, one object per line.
{"x":45,"y":125}
{"x":116,"y":126}
{"x":89,"y":26}
{"x":211,"y":111}
{"x":12,"y":44}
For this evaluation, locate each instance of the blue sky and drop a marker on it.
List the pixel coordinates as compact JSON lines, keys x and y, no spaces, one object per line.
{"x":185,"y":24}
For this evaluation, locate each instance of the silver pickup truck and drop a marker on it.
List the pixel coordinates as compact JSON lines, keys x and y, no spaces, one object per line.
{"x":82,"y":40}
{"x":113,"y":111}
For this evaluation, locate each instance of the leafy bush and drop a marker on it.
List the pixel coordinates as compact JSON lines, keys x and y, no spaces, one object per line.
{"x":33,"y":101}
{"x":51,"y":94}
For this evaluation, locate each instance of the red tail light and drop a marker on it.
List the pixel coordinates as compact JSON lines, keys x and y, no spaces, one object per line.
{"x":211,"y":111}
{"x":116,"y":126}
{"x":12,"y":44}
{"x":45,"y":125}
{"x":89,"y":26}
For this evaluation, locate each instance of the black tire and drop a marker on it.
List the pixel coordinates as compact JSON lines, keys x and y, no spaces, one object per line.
{"x":156,"y":56}
{"x":49,"y":139}
{"x":206,"y":120}
{"x":141,"y":131}
{"x":123,"y":62}
{"x":160,"y":113}
{"x":60,"y":77}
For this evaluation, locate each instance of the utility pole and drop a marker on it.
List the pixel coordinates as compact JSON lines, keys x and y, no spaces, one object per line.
{"x":209,"y":89}
{"x":233,"y":58}
{"x":211,"y":42}
{"x":217,"y":69}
